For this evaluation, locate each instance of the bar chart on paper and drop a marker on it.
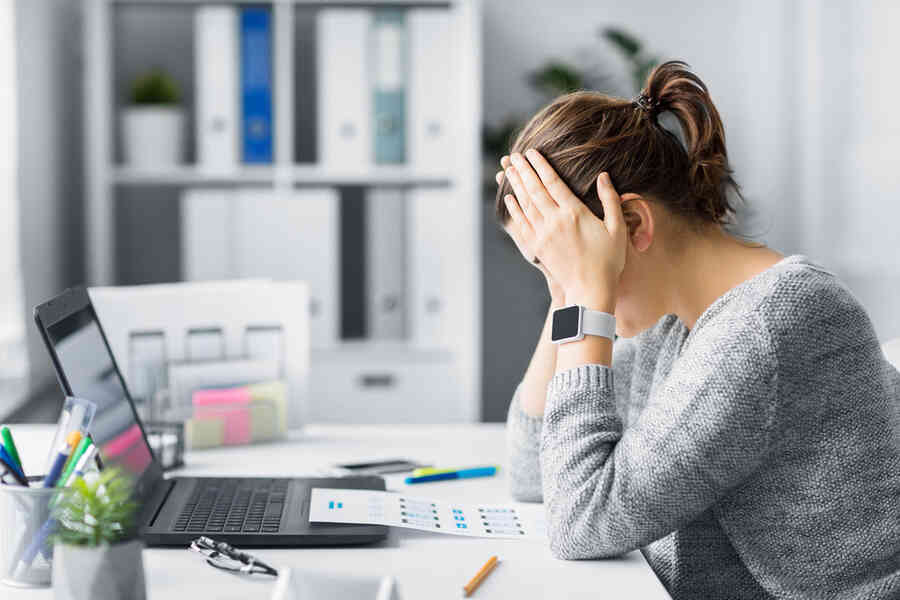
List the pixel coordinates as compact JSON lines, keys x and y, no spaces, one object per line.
{"x":399,"y":510}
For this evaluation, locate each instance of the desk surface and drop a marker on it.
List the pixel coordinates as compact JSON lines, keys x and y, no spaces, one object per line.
{"x":426,"y":565}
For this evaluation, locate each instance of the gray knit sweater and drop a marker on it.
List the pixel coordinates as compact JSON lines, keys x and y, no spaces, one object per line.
{"x":754,"y":456}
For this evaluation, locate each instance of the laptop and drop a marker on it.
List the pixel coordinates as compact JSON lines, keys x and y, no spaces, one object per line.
{"x":244,"y":511}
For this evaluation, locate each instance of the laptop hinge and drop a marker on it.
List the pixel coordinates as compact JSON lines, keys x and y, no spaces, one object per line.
{"x":168,"y":485}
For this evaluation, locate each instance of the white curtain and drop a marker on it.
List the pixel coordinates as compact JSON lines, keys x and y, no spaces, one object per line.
{"x":848,"y":140}
{"x":13,"y":356}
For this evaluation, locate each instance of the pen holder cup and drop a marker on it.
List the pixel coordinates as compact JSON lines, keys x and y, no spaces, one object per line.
{"x":24,"y":517}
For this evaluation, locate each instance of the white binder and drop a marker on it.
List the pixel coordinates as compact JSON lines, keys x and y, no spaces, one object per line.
{"x":345,"y":104}
{"x":293,"y":235}
{"x":216,"y":69}
{"x":432,"y":101}
{"x":206,"y":234}
{"x":431,"y":243}
{"x":386,"y":263}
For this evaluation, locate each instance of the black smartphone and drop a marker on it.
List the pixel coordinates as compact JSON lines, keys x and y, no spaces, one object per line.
{"x":382,"y":467}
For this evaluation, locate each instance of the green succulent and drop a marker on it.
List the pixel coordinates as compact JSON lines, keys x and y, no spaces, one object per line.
{"x":154,"y":87}
{"x":98,"y":512}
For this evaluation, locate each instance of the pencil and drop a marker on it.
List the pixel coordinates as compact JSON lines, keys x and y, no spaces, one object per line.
{"x":470,"y":587}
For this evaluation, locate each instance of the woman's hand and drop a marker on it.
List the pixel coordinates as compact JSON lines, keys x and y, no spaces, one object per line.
{"x":584,"y":255}
{"x":557,"y":297}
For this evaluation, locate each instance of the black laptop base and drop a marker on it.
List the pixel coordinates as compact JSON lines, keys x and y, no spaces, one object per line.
{"x":252,"y":512}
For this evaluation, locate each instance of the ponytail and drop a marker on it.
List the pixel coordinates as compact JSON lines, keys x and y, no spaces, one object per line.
{"x":671,"y":87}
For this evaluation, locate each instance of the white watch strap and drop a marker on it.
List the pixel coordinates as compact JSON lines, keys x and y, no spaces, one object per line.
{"x":594,"y":322}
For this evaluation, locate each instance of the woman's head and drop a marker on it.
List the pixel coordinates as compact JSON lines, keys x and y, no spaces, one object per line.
{"x":671,"y":188}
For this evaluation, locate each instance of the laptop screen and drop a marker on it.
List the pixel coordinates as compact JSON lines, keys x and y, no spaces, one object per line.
{"x":91,"y":374}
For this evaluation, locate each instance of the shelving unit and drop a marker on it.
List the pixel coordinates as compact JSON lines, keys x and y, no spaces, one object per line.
{"x":296,"y":175}
{"x":456,"y":366}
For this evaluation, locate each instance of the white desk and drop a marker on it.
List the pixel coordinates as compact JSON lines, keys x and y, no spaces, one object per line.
{"x":426,"y":565}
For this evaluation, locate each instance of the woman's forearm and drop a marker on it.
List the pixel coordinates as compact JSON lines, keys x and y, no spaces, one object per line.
{"x":533,"y":389}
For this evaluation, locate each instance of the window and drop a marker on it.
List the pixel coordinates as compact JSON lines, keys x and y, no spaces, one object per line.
{"x":13,"y":356}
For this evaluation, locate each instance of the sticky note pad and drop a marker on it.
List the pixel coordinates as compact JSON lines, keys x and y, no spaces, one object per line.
{"x":271,"y":394}
{"x":204,"y":432}
{"x":263,"y":421}
{"x":229,"y":405}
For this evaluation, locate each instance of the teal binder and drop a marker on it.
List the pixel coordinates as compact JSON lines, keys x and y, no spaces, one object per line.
{"x":389,"y":90}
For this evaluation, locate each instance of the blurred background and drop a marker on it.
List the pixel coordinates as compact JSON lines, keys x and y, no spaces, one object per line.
{"x":353,"y":144}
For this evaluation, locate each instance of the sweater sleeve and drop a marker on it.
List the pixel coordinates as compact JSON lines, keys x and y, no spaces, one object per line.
{"x":523,"y":438}
{"x":523,"y":432}
{"x":610,"y":490}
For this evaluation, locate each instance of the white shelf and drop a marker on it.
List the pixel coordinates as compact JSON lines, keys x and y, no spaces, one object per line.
{"x":399,"y":352}
{"x":266,"y":175}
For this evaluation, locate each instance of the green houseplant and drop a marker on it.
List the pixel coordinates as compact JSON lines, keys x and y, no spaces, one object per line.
{"x":154,"y":87}
{"x":153,"y":122}
{"x":97,"y":553}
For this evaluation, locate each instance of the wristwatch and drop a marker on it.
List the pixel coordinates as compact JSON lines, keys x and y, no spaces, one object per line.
{"x":572,"y":323}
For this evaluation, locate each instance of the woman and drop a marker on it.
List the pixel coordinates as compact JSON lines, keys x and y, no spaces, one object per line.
{"x":744,"y":430}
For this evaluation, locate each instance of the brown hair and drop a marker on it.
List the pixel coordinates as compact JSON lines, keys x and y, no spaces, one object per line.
{"x":583,"y":134}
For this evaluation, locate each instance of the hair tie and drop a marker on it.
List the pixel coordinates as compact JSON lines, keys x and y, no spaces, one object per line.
{"x":648,"y":104}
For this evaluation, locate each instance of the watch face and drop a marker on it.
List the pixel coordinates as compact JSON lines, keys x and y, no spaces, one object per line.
{"x":565,"y":323}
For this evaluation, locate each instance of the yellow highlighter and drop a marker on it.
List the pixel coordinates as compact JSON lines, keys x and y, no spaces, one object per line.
{"x":430,"y":471}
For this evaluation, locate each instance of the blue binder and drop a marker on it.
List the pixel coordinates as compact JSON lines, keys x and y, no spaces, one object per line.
{"x":389,"y":94}
{"x":256,"y":84}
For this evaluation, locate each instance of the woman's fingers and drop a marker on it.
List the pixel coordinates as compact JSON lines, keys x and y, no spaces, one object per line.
{"x":557,"y":188}
{"x":612,"y":204}
{"x":499,"y":177}
{"x":522,"y":196}
{"x":504,"y":162}
{"x":519,"y":220}
{"x":518,"y":227}
{"x":532,"y":184}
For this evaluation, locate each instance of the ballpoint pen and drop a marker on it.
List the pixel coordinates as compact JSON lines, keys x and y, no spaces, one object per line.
{"x":61,"y":457}
{"x":10,"y":463}
{"x":81,"y":467}
{"x":73,"y":460}
{"x":10,"y":446}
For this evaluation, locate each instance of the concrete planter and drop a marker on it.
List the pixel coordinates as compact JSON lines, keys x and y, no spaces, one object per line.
{"x":101,"y":573}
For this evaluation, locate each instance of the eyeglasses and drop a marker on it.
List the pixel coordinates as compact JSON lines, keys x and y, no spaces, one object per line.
{"x":228,"y":558}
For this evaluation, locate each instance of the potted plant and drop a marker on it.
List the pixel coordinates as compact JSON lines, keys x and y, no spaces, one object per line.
{"x":153,"y":123}
{"x":97,"y":554}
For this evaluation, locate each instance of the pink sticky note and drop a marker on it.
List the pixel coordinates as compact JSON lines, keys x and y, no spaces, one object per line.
{"x":231,"y":405}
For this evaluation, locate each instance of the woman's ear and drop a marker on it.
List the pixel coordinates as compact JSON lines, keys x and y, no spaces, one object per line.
{"x":639,"y":220}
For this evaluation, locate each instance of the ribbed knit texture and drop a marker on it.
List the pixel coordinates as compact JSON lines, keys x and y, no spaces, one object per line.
{"x":754,"y":456}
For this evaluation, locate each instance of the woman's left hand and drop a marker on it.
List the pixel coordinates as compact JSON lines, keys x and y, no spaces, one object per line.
{"x":584,"y":254}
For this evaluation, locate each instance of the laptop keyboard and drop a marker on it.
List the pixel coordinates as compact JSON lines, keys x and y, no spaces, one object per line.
{"x":234,"y":506}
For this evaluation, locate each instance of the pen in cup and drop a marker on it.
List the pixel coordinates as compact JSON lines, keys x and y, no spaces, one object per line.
{"x":56,"y":468}
{"x":10,"y":446}
{"x":73,"y":460}
{"x":39,"y":541}
{"x":77,"y":415}
{"x":12,"y":467}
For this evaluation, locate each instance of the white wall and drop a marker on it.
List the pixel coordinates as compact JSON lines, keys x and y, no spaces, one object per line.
{"x":853,"y":177}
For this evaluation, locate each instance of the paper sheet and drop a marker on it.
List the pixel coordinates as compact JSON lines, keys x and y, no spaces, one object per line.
{"x":329,"y":505}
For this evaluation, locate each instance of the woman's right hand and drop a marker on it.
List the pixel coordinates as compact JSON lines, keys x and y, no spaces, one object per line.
{"x":557,"y":296}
